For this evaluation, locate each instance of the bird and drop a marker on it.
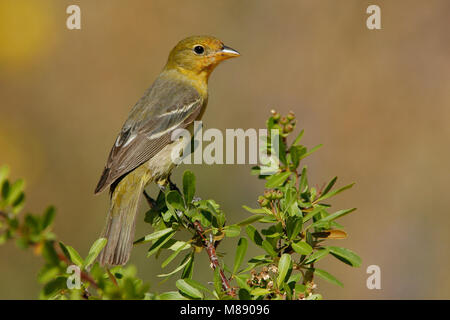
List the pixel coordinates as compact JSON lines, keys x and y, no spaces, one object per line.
{"x":141,"y":154}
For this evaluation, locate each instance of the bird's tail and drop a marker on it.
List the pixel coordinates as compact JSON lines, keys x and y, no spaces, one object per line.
{"x":121,"y":220}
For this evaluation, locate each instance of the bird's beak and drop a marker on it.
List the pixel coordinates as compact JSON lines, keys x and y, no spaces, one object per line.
{"x":227,"y":52}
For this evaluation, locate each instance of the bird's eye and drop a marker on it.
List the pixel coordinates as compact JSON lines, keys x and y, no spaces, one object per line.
{"x":199,"y":49}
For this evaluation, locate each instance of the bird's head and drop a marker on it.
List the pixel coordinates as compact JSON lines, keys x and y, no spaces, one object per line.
{"x":199,"y":55}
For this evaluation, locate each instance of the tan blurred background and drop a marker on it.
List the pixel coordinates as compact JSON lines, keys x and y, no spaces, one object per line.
{"x":379,"y":101}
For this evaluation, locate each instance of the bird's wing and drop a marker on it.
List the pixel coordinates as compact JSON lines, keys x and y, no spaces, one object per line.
{"x":166,"y":106}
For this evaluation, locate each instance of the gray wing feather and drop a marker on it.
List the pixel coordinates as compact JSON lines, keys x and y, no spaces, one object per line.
{"x":163,"y":108}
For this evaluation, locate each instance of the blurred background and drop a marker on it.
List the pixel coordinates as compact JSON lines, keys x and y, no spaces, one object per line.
{"x":378,"y":100}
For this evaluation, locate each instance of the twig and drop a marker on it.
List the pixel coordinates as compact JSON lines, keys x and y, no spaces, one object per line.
{"x":211,"y":251}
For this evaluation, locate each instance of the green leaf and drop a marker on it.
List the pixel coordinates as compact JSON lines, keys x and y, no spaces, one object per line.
{"x":254,"y":235}
{"x":4,"y":171}
{"x":232,"y":231}
{"x":294,"y":226}
{"x":188,"y":186}
{"x":5,"y":189}
{"x":55,"y":285}
{"x":173,"y":255}
{"x":251,"y":210}
{"x":171,"y":295}
{"x":187,"y":259}
{"x":259,"y":292}
{"x":335,"y":192}
{"x":316,"y":256}
{"x":242,"y":281}
{"x":94,"y":251}
{"x":337,"y":214}
{"x":251,"y":219}
{"x":277,"y":179}
{"x":174,"y":200}
{"x":311,"y":151}
{"x":325,"y":275}
{"x":217,"y":281}
{"x":188,"y":289}
{"x":240,"y":253}
{"x":329,"y":186}
{"x":299,"y":137}
{"x":155,"y":235}
{"x":283,"y":267}
{"x":311,"y":214}
{"x":15,"y":190}
{"x":244,"y":294}
{"x":269,"y":248}
{"x":302,"y":247}
{"x":174,"y":245}
{"x":189,"y":268}
{"x":74,"y":256}
{"x":296,"y":153}
{"x":303,"y":180}
{"x":47,"y":219}
{"x":159,"y":243}
{"x":345,"y":255}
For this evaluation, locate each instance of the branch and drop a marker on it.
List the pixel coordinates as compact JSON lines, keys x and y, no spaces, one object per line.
{"x":211,"y":251}
{"x":208,"y":245}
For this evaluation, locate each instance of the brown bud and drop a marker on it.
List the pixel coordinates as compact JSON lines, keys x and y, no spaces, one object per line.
{"x":291,"y":116}
{"x":288,"y":128}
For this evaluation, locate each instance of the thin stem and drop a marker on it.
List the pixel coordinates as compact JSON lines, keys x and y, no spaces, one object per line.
{"x":211,"y":251}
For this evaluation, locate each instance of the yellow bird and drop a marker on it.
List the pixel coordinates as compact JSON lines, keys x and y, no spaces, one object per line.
{"x":142,"y":152}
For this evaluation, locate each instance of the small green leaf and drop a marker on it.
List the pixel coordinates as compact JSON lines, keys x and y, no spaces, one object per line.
{"x":251,"y":219}
{"x":188,"y":186}
{"x":325,"y":275}
{"x":345,"y":255}
{"x":4,"y":171}
{"x":187,"y":259}
{"x":15,"y":190}
{"x":294,"y":226}
{"x":277,"y":179}
{"x":55,"y":285}
{"x":94,"y":251}
{"x":329,"y":186}
{"x":316,"y":256}
{"x":188,"y":289}
{"x":299,"y":137}
{"x":283,"y":267}
{"x":259,"y":292}
{"x":159,"y":243}
{"x":337,"y":214}
{"x":47,"y":219}
{"x":240,"y":253}
{"x":335,"y":192}
{"x":171,"y":295}
{"x":244,"y":294}
{"x":269,"y":248}
{"x":311,"y":151}
{"x":296,"y":153}
{"x":303,"y":180}
{"x":155,"y":235}
{"x":232,"y":231}
{"x":251,"y":210}
{"x":173,"y":255}
{"x":74,"y":256}
{"x":302,"y":247}
{"x":174,"y":200}
{"x":254,"y":235}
